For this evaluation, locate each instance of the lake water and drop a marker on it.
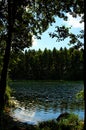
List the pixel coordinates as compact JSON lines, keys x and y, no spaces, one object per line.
{"x":42,"y":101}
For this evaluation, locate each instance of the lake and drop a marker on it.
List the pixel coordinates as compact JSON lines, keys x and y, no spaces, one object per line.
{"x":45,"y":100}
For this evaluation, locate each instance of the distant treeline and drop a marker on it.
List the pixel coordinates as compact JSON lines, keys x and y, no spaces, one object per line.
{"x":63,"y":64}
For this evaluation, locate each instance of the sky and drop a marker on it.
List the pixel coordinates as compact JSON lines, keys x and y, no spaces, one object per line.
{"x":49,"y":43}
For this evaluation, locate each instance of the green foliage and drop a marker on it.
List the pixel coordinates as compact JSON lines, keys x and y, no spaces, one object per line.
{"x":7,"y":95}
{"x":63,"y":32}
{"x":70,"y":123}
{"x":80,"y":95}
{"x":30,"y":18}
{"x":47,"y":65}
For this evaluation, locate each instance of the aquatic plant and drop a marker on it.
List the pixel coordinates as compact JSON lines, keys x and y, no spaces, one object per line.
{"x":80,"y":95}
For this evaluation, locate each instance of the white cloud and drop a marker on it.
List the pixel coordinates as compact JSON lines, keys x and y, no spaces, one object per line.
{"x":75,"y":22}
{"x":34,"y":41}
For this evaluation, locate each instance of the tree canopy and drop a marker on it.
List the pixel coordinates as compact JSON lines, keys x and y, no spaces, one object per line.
{"x":47,"y":65}
{"x":32,"y":17}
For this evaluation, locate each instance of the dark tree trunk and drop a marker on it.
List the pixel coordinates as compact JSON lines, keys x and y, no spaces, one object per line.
{"x":5,"y":63}
{"x":84,"y":68}
{"x":85,"y":101}
{"x":84,"y":90}
{"x":85,"y":81}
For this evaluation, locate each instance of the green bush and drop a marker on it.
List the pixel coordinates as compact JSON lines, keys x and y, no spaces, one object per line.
{"x":70,"y":123}
{"x":80,"y":95}
{"x":7,"y":96}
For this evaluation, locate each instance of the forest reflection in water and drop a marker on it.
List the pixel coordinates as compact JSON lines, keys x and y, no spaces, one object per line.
{"x":41,"y":101}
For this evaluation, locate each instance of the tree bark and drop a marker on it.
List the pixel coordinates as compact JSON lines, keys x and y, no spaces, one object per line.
{"x":84,"y":67}
{"x":5,"y":62}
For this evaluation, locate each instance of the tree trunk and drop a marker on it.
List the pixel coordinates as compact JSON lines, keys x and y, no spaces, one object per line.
{"x":5,"y":63}
{"x":85,"y":103}
{"x":85,"y":82}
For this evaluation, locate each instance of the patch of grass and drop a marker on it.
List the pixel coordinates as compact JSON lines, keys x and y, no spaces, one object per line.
{"x":7,"y":96}
{"x":72,"y":122}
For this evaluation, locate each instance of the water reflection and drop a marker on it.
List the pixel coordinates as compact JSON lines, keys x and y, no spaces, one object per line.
{"x":46,"y":101}
{"x":34,"y":113}
{"x":23,"y":115}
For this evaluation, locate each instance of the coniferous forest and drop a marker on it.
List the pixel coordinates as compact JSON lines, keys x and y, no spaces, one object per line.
{"x":63,"y":64}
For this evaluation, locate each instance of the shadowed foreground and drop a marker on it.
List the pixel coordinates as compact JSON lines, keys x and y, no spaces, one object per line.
{"x":64,"y":122}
